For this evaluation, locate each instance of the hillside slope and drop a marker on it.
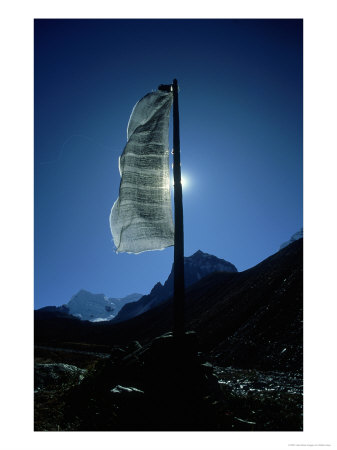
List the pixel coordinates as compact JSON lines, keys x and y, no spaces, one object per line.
{"x":247,"y":319}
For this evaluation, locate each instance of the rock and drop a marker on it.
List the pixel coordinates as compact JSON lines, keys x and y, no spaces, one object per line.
{"x":245,"y":424}
{"x":117,"y":354}
{"x":120,"y":390}
{"x":46,"y":375}
{"x":184,"y":391}
{"x":159,"y":387}
{"x":134,"y":346}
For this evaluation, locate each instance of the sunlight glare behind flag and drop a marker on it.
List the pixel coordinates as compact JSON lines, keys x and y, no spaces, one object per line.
{"x":141,"y":217}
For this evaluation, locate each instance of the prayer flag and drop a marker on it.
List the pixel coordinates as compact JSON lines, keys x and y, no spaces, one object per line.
{"x":141,"y":217}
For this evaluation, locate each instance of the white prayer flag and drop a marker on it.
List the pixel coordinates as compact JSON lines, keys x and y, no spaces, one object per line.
{"x":141,"y":217}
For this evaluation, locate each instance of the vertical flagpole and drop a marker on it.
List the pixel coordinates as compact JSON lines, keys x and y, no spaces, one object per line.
{"x":179,"y":284}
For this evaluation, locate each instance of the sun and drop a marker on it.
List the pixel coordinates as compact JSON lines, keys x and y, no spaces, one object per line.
{"x":184,"y":181}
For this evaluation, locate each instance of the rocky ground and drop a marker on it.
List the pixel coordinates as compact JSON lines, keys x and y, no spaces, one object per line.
{"x":270,"y":400}
{"x":240,"y":367}
{"x":144,"y":388}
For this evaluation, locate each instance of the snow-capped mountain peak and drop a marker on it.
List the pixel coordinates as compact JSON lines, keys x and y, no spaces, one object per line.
{"x":294,"y":237}
{"x":97,"y":307}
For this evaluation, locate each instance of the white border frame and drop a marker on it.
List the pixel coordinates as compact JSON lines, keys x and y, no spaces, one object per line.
{"x":320,"y":225}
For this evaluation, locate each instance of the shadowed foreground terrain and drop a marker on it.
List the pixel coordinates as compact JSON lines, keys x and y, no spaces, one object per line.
{"x":240,"y":367}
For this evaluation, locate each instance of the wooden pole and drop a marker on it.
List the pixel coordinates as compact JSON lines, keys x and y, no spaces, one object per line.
{"x":179,"y":284}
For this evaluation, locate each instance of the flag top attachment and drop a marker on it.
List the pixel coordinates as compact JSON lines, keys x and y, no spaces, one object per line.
{"x":165,"y":87}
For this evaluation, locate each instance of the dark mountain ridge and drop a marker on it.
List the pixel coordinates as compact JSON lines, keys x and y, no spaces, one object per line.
{"x":196,"y":267}
{"x":244,"y":319}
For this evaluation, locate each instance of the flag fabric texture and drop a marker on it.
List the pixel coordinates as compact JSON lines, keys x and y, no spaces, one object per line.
{"x":141,"y":217}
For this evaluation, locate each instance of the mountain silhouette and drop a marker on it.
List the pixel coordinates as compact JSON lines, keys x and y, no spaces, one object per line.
{"x":245,"y":319}
{"x":196,"y":267}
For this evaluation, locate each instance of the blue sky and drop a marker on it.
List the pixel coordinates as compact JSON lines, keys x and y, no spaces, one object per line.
{"x":241,"y":143}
